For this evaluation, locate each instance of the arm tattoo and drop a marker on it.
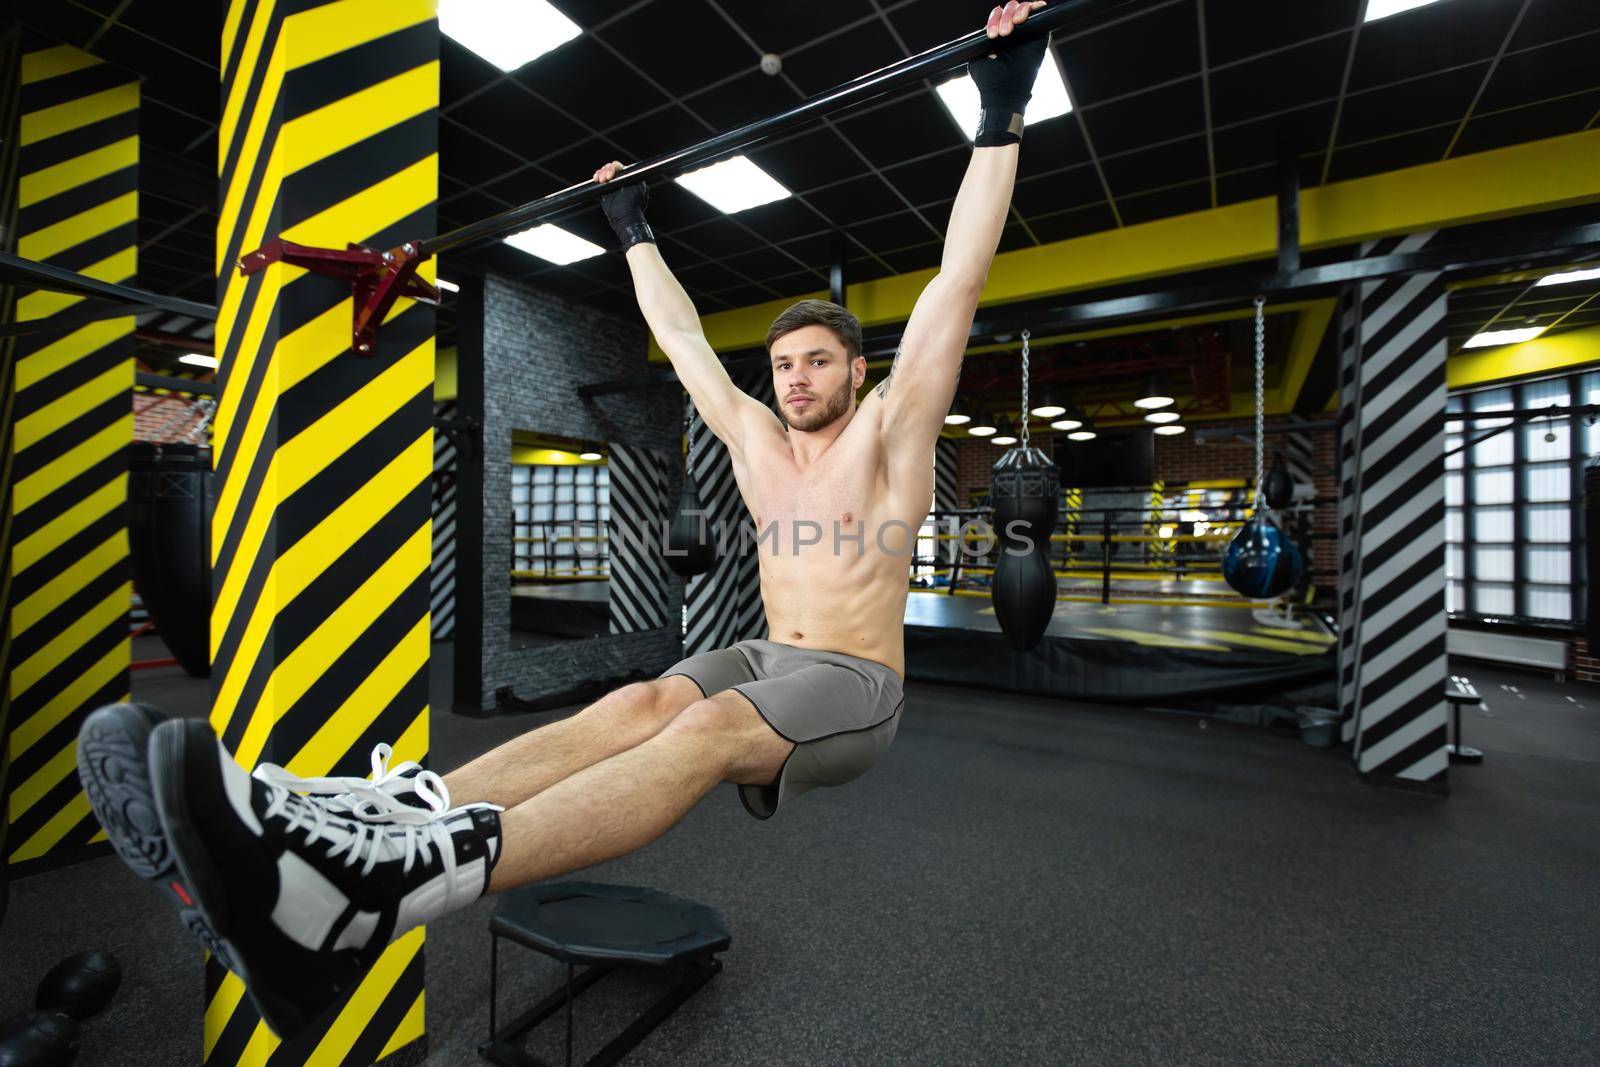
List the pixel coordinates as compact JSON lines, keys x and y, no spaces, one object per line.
{"x":883,"y":387}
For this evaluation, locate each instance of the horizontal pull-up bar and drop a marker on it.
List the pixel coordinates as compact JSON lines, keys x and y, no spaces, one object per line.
{"x":859,"y":90}
{"x":379,"y":278}
{"x":15,"y":269}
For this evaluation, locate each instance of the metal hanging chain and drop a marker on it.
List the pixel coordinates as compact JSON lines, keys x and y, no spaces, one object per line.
{"x":1024,"y":388}
{"x":1261,"y":402}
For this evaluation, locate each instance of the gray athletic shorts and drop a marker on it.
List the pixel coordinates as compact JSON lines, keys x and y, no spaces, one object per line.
{"x":839,"y":711}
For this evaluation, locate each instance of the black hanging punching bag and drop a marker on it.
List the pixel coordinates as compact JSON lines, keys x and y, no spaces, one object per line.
{"x":1026,"y":490}
{"x":690,"y":548}
{"x":170,"y":500}
{"x":1591,"y":535}
{"x":1278,"y":486}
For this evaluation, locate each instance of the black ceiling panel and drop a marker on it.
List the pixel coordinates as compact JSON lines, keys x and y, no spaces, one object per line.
{"x":922,"y":257}
{"x":1073,"y":223}
{"x":1422,"y":102}
{"x":863,"y":198}
{"x":708,"y":276}
{"x":841,"y":58}
{"x":913,"y":126}
{"x":927,"y":23}
{"x":743,"y":100}
{"x":1552,"y":118}
{"x":1239,"y":28}
{"x":815,"y":251}
{"x":778,"y":27}
{"x":893,"y":232}
{"x":931,"y":180}
{"x":720,"y":237}
{"x":1165,"y":40}
{"x":1161,"y":203}
{"x":591,"y":13}
{"x":816,"y":157}
{"x":761,"y":264}
{"x":1279,"y":82}
{"x":513,"y":119}
{"x":469,"y":158}
{"x":1267,"y":140}
{"x":1065,"y":189}
{"x":783,"y":219}
{"x":1551,"y":20}
{"x":461,"y":73}
{"x":1154,"y":168}
{"x":1141,"y":121}
{"x":1053,"y":144}
{"x":1392,"y":153}
{"x":1553,"y":70}
{"x":659,"y":39}
{"x":613,"y":92}
{"x":1429,"y":39}
{"x":658,"y":133}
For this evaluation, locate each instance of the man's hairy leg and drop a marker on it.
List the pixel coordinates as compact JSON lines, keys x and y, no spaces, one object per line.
{"x":624,"y":803}
{"x":533,"y":762}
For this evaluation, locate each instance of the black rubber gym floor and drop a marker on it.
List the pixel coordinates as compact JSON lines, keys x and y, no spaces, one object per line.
{"x":1026,"y":882}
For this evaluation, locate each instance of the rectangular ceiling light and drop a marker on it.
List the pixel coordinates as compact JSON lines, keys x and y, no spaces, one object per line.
{"x":551,"y":242}
{"x":1049,"y":99}
{"x":1503,"y":337}
{"x":1569,"y":276}
{"x":507,"y":33}
{"x":1382,"y":9}
{"x":199,"y":359}
{"x":734,"y":185}
{"x":447,"y":286}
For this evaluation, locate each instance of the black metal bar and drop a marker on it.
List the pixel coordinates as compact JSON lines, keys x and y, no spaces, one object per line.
{"x":1554,"y":411}
{"x":1105,"y":558}
{"x":177,"y":385}
{"x":696,"y":975}
{"x":56,"y":279}
{"x":72,"y":318}
{"x":838,"y":284}
{"x":859,"y":90}
{"x":1519,"y":521}
{"x":1288,"y":214}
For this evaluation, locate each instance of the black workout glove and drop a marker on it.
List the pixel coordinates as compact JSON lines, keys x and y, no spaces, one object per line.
{"x":624,"y":209}
{"x":1005,"y":82}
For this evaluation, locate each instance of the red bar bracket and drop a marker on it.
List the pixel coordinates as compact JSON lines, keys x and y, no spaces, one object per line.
{"x":377,"y":279}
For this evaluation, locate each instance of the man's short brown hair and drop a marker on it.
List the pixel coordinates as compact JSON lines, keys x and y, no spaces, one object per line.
{"x":845,"y":326}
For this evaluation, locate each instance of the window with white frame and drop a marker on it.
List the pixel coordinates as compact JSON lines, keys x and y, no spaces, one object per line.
{"x":1513,"y":491}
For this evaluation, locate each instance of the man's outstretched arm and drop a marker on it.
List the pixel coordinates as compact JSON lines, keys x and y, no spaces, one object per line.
{"x":916,"y":393}
{"x":672,"y":318}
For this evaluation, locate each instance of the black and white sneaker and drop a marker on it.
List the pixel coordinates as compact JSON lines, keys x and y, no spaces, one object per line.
{"x":111,"y":766}
{"x":297,"y":899}
{"x":388,"y":790}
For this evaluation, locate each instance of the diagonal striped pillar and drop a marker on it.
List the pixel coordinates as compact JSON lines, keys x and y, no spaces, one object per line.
{"x":1391,"y":516}
{"x":321,"y":538}
{"x":722,"y":606}
{"x":442,"y":583}
{"x":68,"y":420}
{"x":946,"y":497}
{"x":639,"y":575}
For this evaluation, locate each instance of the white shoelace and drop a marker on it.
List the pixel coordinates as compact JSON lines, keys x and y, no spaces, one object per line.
{"x":362,"y":840}
{"x":374,"y":798}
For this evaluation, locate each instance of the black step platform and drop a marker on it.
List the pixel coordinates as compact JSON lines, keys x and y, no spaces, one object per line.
{"x":606,"y":927}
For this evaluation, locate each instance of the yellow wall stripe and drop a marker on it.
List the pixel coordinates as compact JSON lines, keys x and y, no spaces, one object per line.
{"x":69,"y":174}
{"x":75,"y":114}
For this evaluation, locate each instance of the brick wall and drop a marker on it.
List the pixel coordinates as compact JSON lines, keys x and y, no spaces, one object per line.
{"x":1582,"y":666}
{"x":537,"y":350}
{"x":168,"y":418}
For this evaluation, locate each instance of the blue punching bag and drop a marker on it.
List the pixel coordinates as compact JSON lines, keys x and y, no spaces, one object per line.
{"x":1262,"y":561}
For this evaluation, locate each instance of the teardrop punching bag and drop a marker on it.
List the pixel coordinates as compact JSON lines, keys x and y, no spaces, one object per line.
{"x":1025,"y":488}
{"x":690,"y":550}
{"x":1262,"y":561}
{"x":170,"y":500}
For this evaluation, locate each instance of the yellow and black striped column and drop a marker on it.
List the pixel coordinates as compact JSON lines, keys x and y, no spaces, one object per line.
{"x":321,"y":536}
{"x":68,"y":422}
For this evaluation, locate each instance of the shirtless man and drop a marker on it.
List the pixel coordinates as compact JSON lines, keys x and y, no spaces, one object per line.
{"x":298,"y":885}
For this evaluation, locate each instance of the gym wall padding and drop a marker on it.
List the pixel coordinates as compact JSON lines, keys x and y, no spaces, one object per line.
{"x":1392,"y":668}
{"x":724,"y":604}
{"x":321,"y":537}
{"x":69,"y":422}
{"x":442,"y":575}
{"x":536,"y":350}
